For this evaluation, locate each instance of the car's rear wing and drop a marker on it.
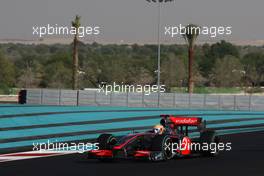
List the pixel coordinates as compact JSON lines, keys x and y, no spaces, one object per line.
{"x":183,"y":120}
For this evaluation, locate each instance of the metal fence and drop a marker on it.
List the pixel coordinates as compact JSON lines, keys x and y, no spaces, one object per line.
{"x":167,"y":100}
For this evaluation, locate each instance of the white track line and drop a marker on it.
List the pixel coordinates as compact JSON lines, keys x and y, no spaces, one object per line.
{"x":30,"y":155}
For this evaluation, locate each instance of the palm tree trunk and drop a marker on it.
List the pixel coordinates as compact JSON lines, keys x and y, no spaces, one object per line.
{"x":190,"y":81}
{"x":75,"y":64}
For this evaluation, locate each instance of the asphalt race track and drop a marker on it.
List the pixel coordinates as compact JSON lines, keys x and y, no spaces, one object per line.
{"x":245,"y":159}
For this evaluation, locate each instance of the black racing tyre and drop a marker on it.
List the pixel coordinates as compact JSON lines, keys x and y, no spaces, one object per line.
{"x":209,"y":138}
{"x":106,"y":141}
{"x":161,"y":144}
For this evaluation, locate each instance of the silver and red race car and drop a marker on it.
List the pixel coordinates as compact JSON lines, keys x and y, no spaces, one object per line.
{"x":172,"y":143}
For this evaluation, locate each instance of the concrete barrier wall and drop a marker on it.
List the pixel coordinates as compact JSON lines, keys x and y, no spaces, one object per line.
{"x":50,"y":97}
{"x":87,"y":98}
{"x":68,"y":97}
{"x":34,"y":96}
{"x":168,"y":100}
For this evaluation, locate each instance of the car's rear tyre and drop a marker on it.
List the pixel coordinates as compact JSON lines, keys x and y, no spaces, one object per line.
{"x":209,"y":138}
{"x":106,"y":141}
{"x":161,"y":147}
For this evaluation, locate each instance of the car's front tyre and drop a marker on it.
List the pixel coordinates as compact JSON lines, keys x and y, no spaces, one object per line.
{"x":161,"y":148}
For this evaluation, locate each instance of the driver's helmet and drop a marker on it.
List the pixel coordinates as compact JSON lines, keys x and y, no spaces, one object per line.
{"x":158,"y":129}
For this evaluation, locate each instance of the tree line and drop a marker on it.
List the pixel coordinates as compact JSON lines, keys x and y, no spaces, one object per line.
{"x":221,"y":64}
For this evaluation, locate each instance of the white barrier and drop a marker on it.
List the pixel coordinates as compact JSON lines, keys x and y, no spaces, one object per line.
{"x":168,"y":100}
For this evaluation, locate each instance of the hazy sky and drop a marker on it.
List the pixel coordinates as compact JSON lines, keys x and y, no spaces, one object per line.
{"x":132,"y":20}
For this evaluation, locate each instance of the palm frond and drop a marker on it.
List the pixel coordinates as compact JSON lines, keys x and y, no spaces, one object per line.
{"x":77,"y":21}
{"x":191,"y":33}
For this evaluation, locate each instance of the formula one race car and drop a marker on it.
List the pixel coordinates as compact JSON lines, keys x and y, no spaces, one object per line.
{"x":170,"y":139}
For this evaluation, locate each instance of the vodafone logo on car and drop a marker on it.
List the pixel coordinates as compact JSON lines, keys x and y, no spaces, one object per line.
{"x":186,"y":120}
{"x":183,"y":121}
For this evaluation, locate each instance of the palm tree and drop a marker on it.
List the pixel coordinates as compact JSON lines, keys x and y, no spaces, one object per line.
{"x":76,"y":24}
{"x":190,"y":35}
